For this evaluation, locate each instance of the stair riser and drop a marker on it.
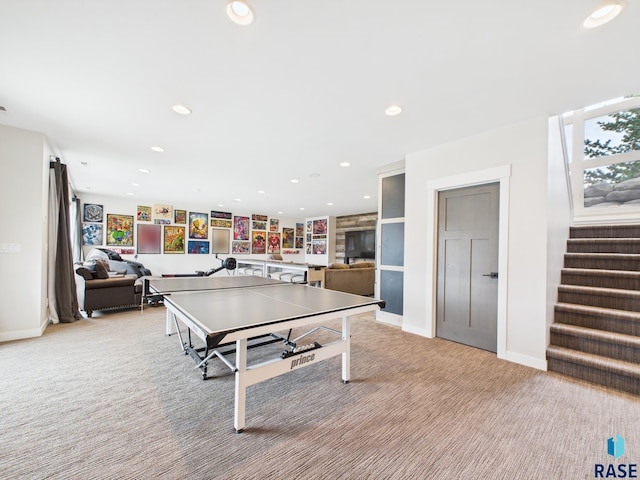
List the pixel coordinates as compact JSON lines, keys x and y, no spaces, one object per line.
{"x":612,"y":247}
{"x":593,"y":375}
{"x":631,"y":304}
{"x":597,"y":347}
{"x":599,"y":322}
{"x":631,"y":231}
{"x":603,"y":263}
{"x":600,"y":281}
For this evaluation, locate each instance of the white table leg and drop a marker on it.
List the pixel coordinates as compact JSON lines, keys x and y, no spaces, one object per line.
{"x":170,"y":328}
{"x":346,"y":356}
{"x":241,"y":388}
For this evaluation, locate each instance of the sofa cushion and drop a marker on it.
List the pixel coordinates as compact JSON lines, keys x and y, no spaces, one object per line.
{"x":363,"y":265}
{"x":339,"y":266}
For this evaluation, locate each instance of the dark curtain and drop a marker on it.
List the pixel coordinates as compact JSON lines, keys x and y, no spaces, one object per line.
{"x":65,"y":284}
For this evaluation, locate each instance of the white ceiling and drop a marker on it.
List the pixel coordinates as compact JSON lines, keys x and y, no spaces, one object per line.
{"x":294,"y":94}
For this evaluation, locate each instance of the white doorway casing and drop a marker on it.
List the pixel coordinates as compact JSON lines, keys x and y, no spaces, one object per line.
{"x":498,"y":174}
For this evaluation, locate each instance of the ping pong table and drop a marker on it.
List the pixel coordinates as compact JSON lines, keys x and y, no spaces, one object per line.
{"x":224,"y":311}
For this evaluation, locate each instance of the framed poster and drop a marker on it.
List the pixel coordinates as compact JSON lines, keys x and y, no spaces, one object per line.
{"x":274,"y":243}
{"x":274,"y":225}
{"x":198,"y":246}
{"x":220,"y":240}
{"x":173,"y":239}
{"x":217,"y":222}
{"x":119,"y":230}
{"x":149,"y":238}
{"x":92,"y":212}
{"x":320,"y":226}
{"x":180,"y":217}
{"x":319,"y":247}
{"x":162,"y":214}
{"x":258,"y":241}
{"x":221,"y":215}
{"x":198,"y":225}
{"x":240,"y":246}
{"x":299,"y":229}
{"x":144,"y":213}
{"x":241,"y":228}
{"x":288,"y":237}
{"x":92,"y":234}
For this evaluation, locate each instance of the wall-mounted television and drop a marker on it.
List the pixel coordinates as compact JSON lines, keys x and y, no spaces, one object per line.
{"x":360,"y":244}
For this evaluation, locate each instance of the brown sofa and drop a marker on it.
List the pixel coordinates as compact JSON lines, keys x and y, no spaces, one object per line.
{"x":116,"y":291}
{"x":357,"y":278}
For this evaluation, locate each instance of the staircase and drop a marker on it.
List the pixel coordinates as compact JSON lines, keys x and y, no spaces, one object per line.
{"x":596,"y":331}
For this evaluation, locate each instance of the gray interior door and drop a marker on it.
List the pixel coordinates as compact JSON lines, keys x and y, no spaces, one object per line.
{"x":467,"y":291}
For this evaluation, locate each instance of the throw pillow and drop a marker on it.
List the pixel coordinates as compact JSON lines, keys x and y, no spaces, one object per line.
{"x":101,"y":271}
{"x":339,"y":265}
{"x":84,"y":273}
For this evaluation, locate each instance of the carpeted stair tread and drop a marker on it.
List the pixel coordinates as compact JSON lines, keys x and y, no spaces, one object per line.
{"x":595,"y":334}
{"x":610,"y":312}
{"x":590,"y":277}
{"x":604,"y":231}
{"x":598,"y":362}
{"x":600,"y":261}
{"x":605,"y":256}
{"x":588,"y":272}
{"x":612,"y":292}
{"x":604,"y":245}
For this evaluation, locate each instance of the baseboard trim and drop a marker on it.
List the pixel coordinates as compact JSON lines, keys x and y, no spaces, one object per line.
{"x":423,"y":332}
{"x":526,"y":360}
{"x":389,"y":318}
{"x":22,"y":334}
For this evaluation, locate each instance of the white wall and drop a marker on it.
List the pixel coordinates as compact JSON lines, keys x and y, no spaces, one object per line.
{"x":178,"y":263}
{"x":559,"y":213}
{"x":524,"y":148}
{"x":24,"y":162}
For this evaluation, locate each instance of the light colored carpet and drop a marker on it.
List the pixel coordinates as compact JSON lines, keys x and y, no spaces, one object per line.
{"x":113,"y":398}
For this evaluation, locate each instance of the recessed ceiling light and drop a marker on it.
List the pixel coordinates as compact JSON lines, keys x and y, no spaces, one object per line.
{"x":129,"y":193}
{"x":314,"y":175}
{"x":393,"y":110}
{"x":280,"y":213}
{"x":157,"y":149}
{"x":237,"y":200}
{"x":182,"y":110}
{"x":135,"y":184}
{"x":604,"y":14}
{"x":329,"y":203}
{"x":301,"y":208}
{"x":240,"y":12}
{"x":144,"y":170}
{"x":294,"y":180}
{"x":261,"y":191}
{"x":84,"y":164}
{"x":345,"y":164}
{"x":220,"y":205}
{"x":367,"y":197}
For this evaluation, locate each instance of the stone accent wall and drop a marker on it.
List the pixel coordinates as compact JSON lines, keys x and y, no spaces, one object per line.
{"x":363,"y":221}
{"x":610,"y":194}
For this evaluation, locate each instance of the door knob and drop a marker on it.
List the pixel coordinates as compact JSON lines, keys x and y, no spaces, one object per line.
{"x":492,"y":275}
